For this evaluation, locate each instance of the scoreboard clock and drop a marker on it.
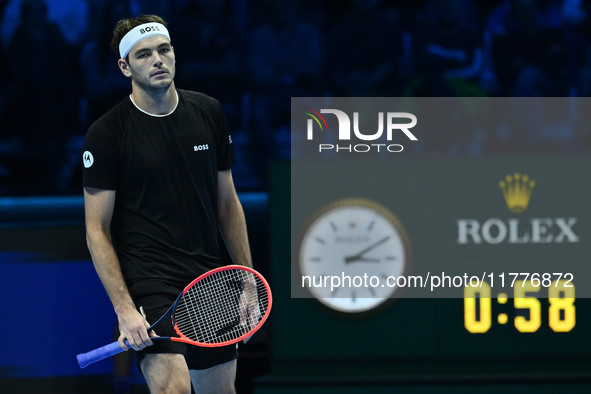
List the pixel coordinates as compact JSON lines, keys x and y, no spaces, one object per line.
{"x":353,"y":239}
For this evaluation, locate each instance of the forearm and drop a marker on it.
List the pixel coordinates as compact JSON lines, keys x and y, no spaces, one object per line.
{"x":108,"y":269}
{"x":132,"y":326}
{"x":233,"y":227}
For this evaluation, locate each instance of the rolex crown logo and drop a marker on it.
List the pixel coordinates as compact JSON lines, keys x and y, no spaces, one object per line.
{"x":517,"y":189}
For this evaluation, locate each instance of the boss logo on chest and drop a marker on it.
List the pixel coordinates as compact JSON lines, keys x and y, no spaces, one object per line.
{"x":201,"y":147}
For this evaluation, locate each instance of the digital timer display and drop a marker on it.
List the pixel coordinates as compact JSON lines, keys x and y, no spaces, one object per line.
{"x":478,"y":316}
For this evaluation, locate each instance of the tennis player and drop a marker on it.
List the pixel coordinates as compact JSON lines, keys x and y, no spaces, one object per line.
{"x":157,"y":187}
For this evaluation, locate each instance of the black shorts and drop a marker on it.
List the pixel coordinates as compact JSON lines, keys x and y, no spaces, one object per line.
{"x":155,"y":298}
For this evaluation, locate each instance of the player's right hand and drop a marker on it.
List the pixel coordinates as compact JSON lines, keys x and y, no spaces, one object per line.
{"x":133,"y":328}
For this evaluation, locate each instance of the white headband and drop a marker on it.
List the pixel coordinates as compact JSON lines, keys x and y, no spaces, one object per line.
{"x":140,"y":32}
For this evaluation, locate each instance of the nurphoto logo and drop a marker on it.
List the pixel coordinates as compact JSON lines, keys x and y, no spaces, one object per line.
{"x":392,"y":124}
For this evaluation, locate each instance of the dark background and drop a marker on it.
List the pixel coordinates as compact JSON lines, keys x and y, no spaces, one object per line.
{"x":59,"y":75}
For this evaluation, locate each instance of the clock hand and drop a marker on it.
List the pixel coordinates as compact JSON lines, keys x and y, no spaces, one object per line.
{"x":359,"y":256}
{"x":366,"y":260}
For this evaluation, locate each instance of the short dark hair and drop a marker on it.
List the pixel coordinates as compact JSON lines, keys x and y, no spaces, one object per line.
{"x":125,"y":25}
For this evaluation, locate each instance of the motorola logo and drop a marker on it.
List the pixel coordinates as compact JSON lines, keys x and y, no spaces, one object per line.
{"x":87,"y":159}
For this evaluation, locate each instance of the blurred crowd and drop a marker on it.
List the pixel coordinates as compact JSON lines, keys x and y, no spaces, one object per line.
{"x":253,"y":55}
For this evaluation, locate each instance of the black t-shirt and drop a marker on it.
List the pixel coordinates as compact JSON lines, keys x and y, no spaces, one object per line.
{"x":164,"y":171}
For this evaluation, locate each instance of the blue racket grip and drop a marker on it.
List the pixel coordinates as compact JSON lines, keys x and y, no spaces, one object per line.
{"x":85,"y":359}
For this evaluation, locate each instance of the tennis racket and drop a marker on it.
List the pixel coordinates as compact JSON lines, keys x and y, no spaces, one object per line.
{"x":223,"y":306}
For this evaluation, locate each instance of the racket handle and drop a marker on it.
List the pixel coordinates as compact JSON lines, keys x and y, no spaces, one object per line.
{"x":85,"y":359}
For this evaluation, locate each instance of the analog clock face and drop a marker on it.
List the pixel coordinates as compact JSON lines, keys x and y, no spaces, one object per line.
{"x":350,"y":253}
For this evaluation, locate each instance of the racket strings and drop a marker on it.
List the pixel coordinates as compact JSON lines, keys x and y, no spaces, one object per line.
{"x":221,"y":307}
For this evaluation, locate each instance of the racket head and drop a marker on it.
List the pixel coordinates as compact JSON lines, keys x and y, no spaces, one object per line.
{"x":221,"y":307}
